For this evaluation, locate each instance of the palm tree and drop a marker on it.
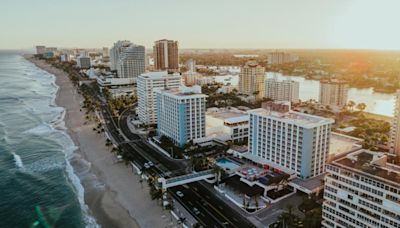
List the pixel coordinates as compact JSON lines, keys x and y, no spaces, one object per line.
{"x":351,"y":104}
{"x":361,"y":106}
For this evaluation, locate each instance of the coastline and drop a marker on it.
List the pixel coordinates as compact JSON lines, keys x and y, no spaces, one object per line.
{"x":112,"y":192}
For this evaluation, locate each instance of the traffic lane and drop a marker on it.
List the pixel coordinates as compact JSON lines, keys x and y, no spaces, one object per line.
{"x":220,"y":207}
{"x":190,"y":201}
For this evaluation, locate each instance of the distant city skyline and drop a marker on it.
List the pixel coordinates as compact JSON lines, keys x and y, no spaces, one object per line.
{"x":340,"y":24}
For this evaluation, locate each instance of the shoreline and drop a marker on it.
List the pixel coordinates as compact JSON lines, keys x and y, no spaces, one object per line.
{"x":112,"y":193}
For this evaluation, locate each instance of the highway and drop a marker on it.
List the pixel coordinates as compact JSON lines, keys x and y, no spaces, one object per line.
{"x":213,"y":212}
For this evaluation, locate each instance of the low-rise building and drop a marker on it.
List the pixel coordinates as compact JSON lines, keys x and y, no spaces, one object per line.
{"x":231,"y":124}
{"x":117,"y":86}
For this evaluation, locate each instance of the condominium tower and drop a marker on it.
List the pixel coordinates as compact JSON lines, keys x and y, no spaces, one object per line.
{"x":132,"y":62}
{"x":147,"y":83}
{"x":333,"y":93}
{"x":362,"y":189}
{"x":181,"y":114}
{"x":395,"y":128}
{"x":278,"y":57}
{"x":289,"y":140}
{"x":285,"y":90}
{"x":166,"y":55}
{"x":116,"y":51}
{"x":251,"y":79}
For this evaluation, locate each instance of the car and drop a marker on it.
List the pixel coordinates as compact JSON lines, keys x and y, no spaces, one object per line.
{"x":150,"y":163}
{"x":146,"y":165}
{"x":196,"y":211}
{"x":179,"y":193}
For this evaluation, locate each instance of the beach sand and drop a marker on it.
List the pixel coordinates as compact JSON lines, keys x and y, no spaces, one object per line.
{"x":113,"y":193}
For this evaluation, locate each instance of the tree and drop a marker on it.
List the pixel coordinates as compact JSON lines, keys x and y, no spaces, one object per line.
{"x":361,"y":106}
{"x":351,"y":104}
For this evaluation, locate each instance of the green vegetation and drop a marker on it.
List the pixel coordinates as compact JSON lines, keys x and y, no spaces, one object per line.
{"x":231,"y":99}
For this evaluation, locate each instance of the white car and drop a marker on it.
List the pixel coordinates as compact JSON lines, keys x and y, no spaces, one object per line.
{"x":146,"y":165}
{"x":179,"y":193}
{"x":196,"y":211}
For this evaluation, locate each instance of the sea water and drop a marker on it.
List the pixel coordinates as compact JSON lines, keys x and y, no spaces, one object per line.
{"x":38,"y":186}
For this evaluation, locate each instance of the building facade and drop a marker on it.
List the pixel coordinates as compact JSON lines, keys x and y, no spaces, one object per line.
{"x":285,"y":90}
{"x":116,"y":51}
{"x":132,"y":62}
{"x":362,"y":189}
{"x":290,"y":140}
{"x":333,"y":93}
{"x":251,"y":79}
{"x":227,"y":124}
{"x":181,"y":114}
{"x":278,"y":57}
{"x":147,"y":83}
{"x":83,"y":62}
{"x":395,"y":128}
{"x":166,"y":55}
{"x":40,"y":50}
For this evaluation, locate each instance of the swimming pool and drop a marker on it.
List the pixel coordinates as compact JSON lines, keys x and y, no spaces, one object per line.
{"x":227,"y":164}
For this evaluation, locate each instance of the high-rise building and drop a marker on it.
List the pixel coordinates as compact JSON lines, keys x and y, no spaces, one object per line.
{"x":251,"y":79}
{"x":285,"y":90}
{"x":131,"y":62}
{"x":191,"y":65}
{"x":395,"y":128}
{"x":181,"y":114}
{"x":362,"y":189}
{"x":281,"y":58}
{"x":289,"y":140}
{"x":166,"y":55}
{"x":116,"y":51}
{"x":40,"y":50}
{"x":147,"y":83}
{"x":333,"y":93}
{"x":83,"y":62}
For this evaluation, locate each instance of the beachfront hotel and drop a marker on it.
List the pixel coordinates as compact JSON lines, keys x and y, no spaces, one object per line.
{"x":289,"y":140}
{"x":285,"y":90}
{"x":146,"y":85}
{"x":166,"y":55}
{"x":181,"y":114}
{"x":251,"y":79}
{"x":362,"y":189}
{"x":395,"y":128}
{"x":132,"y":62}
{"x":333,"y":93}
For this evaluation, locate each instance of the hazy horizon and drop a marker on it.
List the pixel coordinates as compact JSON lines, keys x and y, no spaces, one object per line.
{"x":287,"y":24}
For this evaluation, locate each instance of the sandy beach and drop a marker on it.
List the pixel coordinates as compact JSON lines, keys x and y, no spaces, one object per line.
{"x":113,"y":193}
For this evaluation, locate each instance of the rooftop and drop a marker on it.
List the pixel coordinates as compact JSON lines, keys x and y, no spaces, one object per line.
{"x":298,"y":118}
{"x":183,"y":91}
{"x":229,"y":116}
{"x":377,"y":165}
{"x":157,"y":74}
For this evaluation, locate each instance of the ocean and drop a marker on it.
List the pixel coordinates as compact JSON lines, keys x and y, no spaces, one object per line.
{"x":38,"y":187}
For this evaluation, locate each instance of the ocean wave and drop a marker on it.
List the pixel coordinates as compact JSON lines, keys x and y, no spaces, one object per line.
{"x":45,"y":165}
{"x":57,"y":124}
{"x":18,"y":161}
{"x":40,"y":129}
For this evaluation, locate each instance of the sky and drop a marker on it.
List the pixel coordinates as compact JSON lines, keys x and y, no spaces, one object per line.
{"x":344,"y":24}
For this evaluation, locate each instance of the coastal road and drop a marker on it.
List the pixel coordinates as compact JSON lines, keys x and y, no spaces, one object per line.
{"x":214,"y":212}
